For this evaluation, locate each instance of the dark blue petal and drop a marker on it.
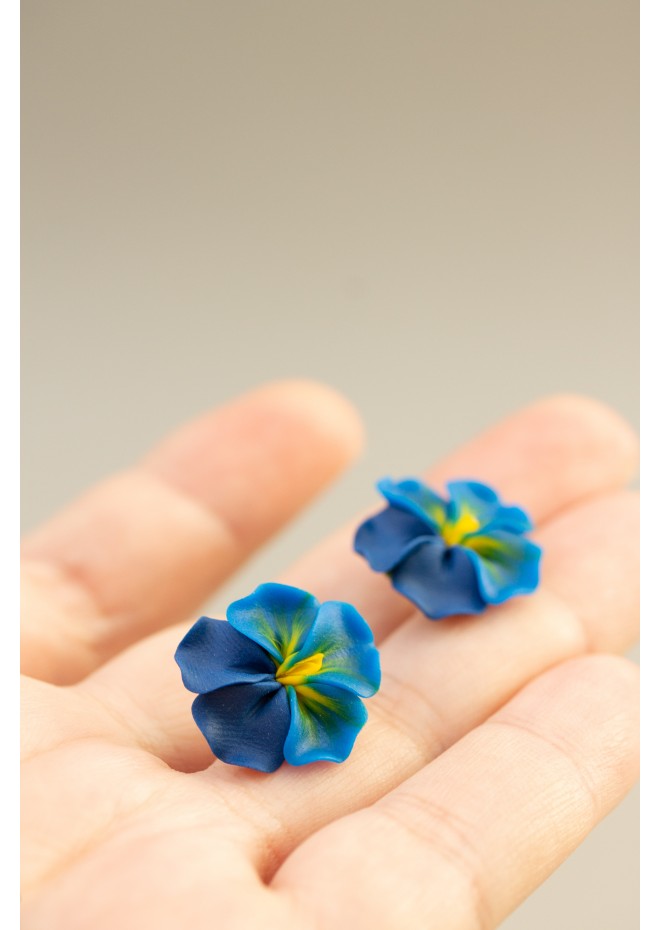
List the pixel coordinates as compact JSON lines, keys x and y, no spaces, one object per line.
{"x":245,"y":724}
{"x":506,"y":565}
{"x":276,"y":616}
{"x":212,"y":655}
{"x":324,"y":724}
{"x":345,"y":640}
{"x":417,"y":498}
{"x":385,"y":539}
{"x":441,"y":581}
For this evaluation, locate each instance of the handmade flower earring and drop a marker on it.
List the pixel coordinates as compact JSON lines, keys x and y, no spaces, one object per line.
{"x":282,"y":679}
{"x":450,"y":556}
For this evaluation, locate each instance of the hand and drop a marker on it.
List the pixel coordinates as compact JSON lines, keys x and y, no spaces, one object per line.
{"x":495,"y":744}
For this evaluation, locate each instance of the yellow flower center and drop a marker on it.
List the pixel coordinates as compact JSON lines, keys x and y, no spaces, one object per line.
{"x":299,"y":672}
{"x":454,"y":532}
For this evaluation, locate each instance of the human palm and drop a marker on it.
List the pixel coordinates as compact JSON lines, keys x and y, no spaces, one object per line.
{"x":495,"y":743}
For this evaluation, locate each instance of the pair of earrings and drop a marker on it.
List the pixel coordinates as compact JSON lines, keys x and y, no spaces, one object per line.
{"x":284,"y":678}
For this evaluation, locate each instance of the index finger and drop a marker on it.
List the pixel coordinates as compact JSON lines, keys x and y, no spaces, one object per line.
{"x":146,"y":547}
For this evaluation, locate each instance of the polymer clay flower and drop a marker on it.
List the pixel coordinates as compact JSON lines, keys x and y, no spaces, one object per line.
{"x":450,"y":556}
{"x":282,"y":679}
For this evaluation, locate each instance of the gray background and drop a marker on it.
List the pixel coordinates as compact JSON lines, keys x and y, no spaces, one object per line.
{"x":431,"y":206}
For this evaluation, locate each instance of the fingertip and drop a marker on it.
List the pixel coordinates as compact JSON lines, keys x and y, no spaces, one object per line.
{"x":309,"y":418}
{"x":606,"y":688}
{"x":326,"y":409}
{"x":591,"y":561}
{"x":614,"y":677}
{"x":593,"y":423}
{"x":583,"y":698}
{"x":261,"y":457}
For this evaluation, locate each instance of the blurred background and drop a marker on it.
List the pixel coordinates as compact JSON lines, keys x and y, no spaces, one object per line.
{"x":433,"y":206}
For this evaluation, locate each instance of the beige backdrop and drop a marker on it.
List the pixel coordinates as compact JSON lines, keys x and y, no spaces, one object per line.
{"x":431,"y":205}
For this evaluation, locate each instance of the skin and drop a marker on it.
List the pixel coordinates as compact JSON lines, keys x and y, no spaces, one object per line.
{"x":495,"y":744}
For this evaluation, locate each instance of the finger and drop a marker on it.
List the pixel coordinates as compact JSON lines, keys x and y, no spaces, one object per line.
{"x":545,"y":457}
{"x":464,"y":841}
{"x":144,"y":548}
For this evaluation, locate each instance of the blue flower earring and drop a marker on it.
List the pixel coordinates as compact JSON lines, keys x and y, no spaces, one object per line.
{"x":450,"y":556}
{"x":282,"y":679}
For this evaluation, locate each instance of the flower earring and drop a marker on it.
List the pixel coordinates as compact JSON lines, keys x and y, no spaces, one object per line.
{"x":450,"y":556}
{"x":282,"y":679}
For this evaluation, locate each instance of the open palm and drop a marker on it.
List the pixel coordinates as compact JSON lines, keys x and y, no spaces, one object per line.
{"x":495,"y":744}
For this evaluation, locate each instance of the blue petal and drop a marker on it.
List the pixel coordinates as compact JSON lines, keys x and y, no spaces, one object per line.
{"x":212,"y":655}
{"x":511,"y":519}
{"x":485,"y":504}
{"x":481,"y":500}
{"x":506,"y":565}
{"x":324,"y":724}
{"x":385,"y":539}
{"x":276,"y":616}
{"x":344,"y":638}
{"x":417,"y":498}
{"x":245,"y":724}
{"x":440,"y":580}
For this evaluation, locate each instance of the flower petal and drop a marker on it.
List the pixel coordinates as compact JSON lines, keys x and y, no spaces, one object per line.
{"x":276,"y":616}
{"x":481,"y":500}
{"x":324,"y":724}
{"x":345,"y":640}
{"x":212,"y":655}
{"x":417,"y":498}
{"x":485,"y":504}
{"x":506,"y":564}
{"x":512,"y":520}
{"x":387,"y":537}
{"x":440,"y":580}
{"x":245,"y":724}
